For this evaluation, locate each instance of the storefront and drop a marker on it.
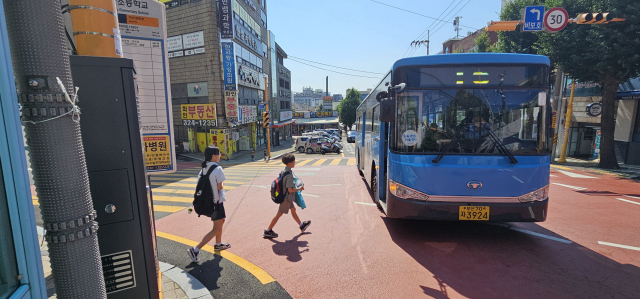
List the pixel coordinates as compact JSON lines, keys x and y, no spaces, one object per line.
{"x":585,"y":133}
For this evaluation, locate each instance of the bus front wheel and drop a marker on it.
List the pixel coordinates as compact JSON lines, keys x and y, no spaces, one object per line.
{"x":374,"y":189}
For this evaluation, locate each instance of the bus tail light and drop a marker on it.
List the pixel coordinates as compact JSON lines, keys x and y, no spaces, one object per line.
{"x":406,"y":192}
{"x":538,"y":195}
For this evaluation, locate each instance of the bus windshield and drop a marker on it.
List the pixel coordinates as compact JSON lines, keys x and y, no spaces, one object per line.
{"x":472,"y":121}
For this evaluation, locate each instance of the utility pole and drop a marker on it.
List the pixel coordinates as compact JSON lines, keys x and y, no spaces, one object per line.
{"x":557,"y":98}
{"x":456,"y":24}
{"x":266,"y":107}
{"x":417,"y":43}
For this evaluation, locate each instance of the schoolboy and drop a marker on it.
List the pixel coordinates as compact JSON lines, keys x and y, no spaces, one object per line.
{"x":289,"y":184}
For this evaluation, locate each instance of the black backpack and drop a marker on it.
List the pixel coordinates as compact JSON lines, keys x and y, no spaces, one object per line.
{"x":278,"y":191}
{"x":203,"y":198}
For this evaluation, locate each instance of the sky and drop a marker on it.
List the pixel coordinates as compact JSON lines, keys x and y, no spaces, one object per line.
{"x":364,"y":35}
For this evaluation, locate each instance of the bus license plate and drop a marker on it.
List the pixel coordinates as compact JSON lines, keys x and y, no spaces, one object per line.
{"x":473,"y":213}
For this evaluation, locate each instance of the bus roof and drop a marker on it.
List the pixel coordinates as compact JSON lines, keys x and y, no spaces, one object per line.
{"x":469,"y":58}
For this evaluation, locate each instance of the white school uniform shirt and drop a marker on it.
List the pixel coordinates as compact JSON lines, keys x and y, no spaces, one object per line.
{"x":217,"y":176}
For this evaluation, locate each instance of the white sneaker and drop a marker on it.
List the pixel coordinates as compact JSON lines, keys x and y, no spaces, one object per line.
{"x":193,"y":255}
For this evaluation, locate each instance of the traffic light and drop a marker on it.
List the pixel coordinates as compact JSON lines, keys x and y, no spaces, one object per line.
{"x":265,"y":119}
{"x":594,"y":18}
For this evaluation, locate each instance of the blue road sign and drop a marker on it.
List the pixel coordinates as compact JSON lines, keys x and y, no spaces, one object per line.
{"x":533,"y":16}
{"x":261,"y":107}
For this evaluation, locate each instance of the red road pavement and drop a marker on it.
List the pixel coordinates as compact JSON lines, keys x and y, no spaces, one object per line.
{"x":352,"y":251}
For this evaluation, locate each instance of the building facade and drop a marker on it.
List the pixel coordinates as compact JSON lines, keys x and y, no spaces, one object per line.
{"x":584,"y":133}
{"x":218,"y":60}
{"x":468,"y":43}
{"x":280,"y":103}
{"x":309,"y":97}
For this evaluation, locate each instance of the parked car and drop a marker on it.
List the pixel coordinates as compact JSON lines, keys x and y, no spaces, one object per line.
{"x":300,"y":143}
{"x":179,"y":147}
{"x":312,"y":145}
{"x":351,"y":136}
{"x":335,"y":131}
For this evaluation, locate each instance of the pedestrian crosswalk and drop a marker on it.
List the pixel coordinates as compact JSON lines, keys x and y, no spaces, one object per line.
{"x":174,"y":192}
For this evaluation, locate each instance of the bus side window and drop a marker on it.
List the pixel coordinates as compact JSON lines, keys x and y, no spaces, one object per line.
{"x":376,"y":119}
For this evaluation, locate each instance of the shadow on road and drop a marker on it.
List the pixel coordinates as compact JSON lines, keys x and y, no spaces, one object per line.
{"x":291,"y":248}
{"x":207,"y":272}
{"x":489,"y":261}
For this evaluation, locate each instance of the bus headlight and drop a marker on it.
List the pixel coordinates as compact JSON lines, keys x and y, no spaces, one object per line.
{"x":406,"y":192}
{"x":538,"y":195}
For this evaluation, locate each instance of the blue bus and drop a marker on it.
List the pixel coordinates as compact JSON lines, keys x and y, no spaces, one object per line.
{"x":459,"y":137}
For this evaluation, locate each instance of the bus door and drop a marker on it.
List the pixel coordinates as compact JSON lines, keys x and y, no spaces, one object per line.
{"x":361,"y":144}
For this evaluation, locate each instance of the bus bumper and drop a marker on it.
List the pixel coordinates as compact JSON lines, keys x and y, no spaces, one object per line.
{"x":448,"y":211}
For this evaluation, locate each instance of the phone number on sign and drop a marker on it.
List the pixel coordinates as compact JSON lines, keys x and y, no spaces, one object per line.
{"x":199,"y":122}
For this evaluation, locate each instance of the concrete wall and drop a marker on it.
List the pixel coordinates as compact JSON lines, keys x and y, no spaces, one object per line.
{"x":580,"y":109}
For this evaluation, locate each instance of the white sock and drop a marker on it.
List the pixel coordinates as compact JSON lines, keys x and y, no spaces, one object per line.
{"x":301,"y":223}
{"x":218,"y":244}
{"x":196,"y":249}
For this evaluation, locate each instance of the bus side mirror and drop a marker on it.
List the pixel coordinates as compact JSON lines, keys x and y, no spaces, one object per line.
{"x":382,"y":95}
{"x":387,"y":110}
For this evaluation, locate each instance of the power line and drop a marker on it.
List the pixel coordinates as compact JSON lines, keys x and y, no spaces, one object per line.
{"x":454,"y":15}
{"x":334,"y":66}
{"x":443,"y":22}
{"x":293,"y":59}
{"x":432,"y":25}
{"x":415,"y":13}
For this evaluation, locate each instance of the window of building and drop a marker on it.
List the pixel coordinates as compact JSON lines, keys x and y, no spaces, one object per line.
{"x":286,"y":84}
{"x":282,"y":83}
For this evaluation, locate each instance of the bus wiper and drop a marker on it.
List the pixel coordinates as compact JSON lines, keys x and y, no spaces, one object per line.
{"x":501,"y":147}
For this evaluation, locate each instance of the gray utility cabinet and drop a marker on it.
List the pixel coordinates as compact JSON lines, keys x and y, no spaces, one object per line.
{"x":115,"y":161}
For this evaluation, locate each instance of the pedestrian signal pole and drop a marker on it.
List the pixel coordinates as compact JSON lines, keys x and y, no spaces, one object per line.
{"x":567,"y":124}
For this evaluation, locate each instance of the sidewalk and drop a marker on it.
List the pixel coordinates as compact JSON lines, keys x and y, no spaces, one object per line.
{"x":631,"y":172}
{"x":170,"y":288}
{"x":245,"y":156}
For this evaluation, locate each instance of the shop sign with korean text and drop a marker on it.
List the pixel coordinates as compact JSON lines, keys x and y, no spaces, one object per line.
{"x":228,"y":67}
{"x":248,"y":114}
{"x":226,"y":18}
{"x":142,"y":25}
{"x":231,"y":105}
{"x":198,"y":115}
{"x":286,"y":115}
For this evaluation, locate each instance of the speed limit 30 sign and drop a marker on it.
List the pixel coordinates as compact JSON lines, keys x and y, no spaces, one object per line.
{"x":556,"y":19}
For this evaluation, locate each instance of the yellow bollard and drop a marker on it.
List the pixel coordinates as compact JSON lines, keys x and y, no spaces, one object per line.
{"x":567,"y":124}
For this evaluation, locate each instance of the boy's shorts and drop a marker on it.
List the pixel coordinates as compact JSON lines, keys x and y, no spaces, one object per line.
{"x":285,"y":206}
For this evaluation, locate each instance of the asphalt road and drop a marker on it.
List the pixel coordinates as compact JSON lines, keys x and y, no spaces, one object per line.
{"x":588,"y":247}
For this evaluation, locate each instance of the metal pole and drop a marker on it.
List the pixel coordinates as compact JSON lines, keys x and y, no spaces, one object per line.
{"x":266,"y":98}
{"x":557,"y":98}
{"x":51,"y":121}
{"x":428,"y":40}
{"x":567,"y":124}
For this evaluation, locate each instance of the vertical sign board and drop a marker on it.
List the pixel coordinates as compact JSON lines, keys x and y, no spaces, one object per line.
{"x":144,"y":40}
{"x":226,"y":18}
{"x":228,"y":66}
{"x":532,"y":16}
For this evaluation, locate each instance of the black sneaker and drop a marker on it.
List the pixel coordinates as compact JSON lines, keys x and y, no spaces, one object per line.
{"x":193,"y":255}
{"x":304,"y":225}
{"x":222,"y":246}
{"x":270,"y":234}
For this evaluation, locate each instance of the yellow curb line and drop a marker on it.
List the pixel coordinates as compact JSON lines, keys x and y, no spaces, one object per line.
{"x":561,"y":167}
{"x":260,"y":274}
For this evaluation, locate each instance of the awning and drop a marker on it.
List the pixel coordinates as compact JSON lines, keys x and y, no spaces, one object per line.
{"x":317,"y":121}
{"x":283,"y":124}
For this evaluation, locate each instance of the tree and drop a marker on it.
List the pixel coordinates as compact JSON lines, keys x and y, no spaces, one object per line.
{"x":483,"y":43}
{"x":604,"y":53}
{"x":516,"y":41}
{"x":347,"y":108}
